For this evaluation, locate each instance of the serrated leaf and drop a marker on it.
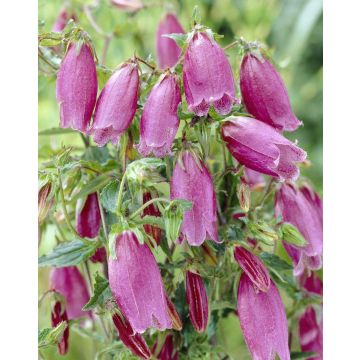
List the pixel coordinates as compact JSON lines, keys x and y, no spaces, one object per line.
{"x":108,"y":196}
{"x":275,"y":262}
{"x":184,"y":205}
{"x":92,"y":186}
{"x":102,"y":293}
{"x":69,"y":253}
{"x":99,"y":154}
{"x":51,"y":336}
{"x":56,"y":131}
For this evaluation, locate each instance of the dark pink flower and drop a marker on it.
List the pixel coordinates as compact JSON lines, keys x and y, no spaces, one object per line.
{"x":263,"y":321}
{"x":159,"y":121}
{"x":131,"y":339}
{"x":197,"y":300}
{"x":76,"y":87}
{"x":116,"y":105}
{"x":254,"y":179}
{"x":264,"y":93}
{"x":88,"y":219}
{"x":167,"y":351}
{"x":168,"y":51}
{"x":99,"y":256}
{"x":62,"y":20}
{"x":188,"y":178}
{"x":69,"y":282}
{"x":295,"y":208}
{"x":312,"y":284}
{"x":207,"y":76}
{"x":58,"y":314}
{"x":136,"y":284}
{"x":152,"y":210}
{"x":311,"y":333}
{"x":253,"y":267}
{"x":260,"y":147}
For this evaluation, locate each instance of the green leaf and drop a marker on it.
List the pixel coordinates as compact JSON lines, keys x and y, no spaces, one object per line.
{"x":196,"y":15}
{"x":51,"y":336}
{"x":150,"y":220}
{"x":296,"y":355}
{"x":103,"y":75}
{"x":92,"y":186}
{"x":184,"y":205}
{"x":56,"y":131}
{"x":69,"y":253}
{"x":180,"y":39}
{"x":273,"y":261}
{"x":50,"y":42}
{"x":98,"y":154}
{"x":108,"y":196}
{"x":102,"y":293}
{"x":291,"y":235}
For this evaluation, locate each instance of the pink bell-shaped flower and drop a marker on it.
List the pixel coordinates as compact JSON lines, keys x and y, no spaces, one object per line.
{"x":116,"y":105}
{"x":197,"y":300}
{"x":207,"y":76}
{"x":136,"y":284}
{"x":69,"y":282}
{"x":264,"y":93}
{"x":76,"y":87}
{"x":192,"y":181}
{"x":88,"y":219}
{"x":305,"y":214}
{"x":168,"y":52}
{"x":260,"y":147}
{"x":263,"y":321}
{"x":159,"y":121}
{"x":167,"y":351}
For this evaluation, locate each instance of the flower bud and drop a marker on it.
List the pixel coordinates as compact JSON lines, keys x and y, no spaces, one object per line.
{"x":69,"y":282}
{"x":263,"y":232}
{"x":173,"y":218}
{"x":189,"y":176}
{"x":99,"y":256}
{"x":209,"y":255}
{"x":167,"y":351}
{"x":136,"y":284}
{"x":260,"y":147}
{"x":263,"y":321}
{"x":132,"y":340}
{"x":312,"y":284}
{"x":62,"y":20}
{"x":88,"y":219}
{"x":58,"y":314}
{"x":197,"y":300}
{"x":44,"y":202}
{"x":168,"y":51}
{"x":159,"y":121}
{"x":291,"y":235}
{"x":253,"y":268}
{"x":175,"y":318}
{"x":264,"y":93}
{"x":207,"y":76}
{"x":152,"y":210}
{"x":76,"y":87}
{"x":244,"y":196}
{"x":116,"y":105}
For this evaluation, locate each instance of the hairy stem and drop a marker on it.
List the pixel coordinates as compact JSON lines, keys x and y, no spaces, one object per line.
{"x":144,"y":206}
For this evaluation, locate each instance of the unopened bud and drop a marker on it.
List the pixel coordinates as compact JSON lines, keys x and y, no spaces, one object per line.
{"x":291,"y":235}
{"x":175,"y":318}
{"x":244,"y":196}
{"x":263,"y":232}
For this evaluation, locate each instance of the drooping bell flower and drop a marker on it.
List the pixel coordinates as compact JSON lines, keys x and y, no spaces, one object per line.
{"x":76,"y":87}
{"x":295,"y":208}
{"x":128,"y":5}
{"x":253,"y":268}
{"x":311,"y":333}
{"x":197,"y":300}
{"x":207,"y":76}
{"x":264,"y":93}
{"x":151,"y":210}
{"x":136,"y":284}
{"x":62,"y":20}
{"x":69,"y":282}
{"x":312,"y":284}
{"x":159,"y":120}
{"x":263,"y":321}
{"x":116,"y":105}
{"x":254,"y":179}
{"x":167,"y":351}
{"x":192,"y":181}
{"x":131,"y":339}
{"x":168,"y":52}
{"x":58,"y":314}
{"x":88,"y":218}
{"x":260,"y":147}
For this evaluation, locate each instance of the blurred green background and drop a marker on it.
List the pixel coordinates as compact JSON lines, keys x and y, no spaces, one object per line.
{"x":292,"y":29}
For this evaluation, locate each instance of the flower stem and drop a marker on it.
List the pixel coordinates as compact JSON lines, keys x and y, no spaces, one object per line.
{"x":121,"y":190}
{"x":152,"y":67}
{"x":229,"y":46}
{"x":144,"y":206}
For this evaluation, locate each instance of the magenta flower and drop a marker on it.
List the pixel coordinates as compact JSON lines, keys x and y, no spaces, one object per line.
{"x":254,"y":179}
{"x":159,"y":121}
{"x":295,"y":208}
{"x":88,"y":219}
{"x":69,"y":282}
{"x":58,"y":314}
{"x":264,"y":93}
{"x":253,"y":268}
{"x":99,"y":255}
{"x":76,"y":87}
{"x":207,"y":76}
{"x":197,"y":300}
{"x":312,"y":284}
{"x":152,"y":210}
{"x":136,"y":284}
{"x":168,"y":51}
{"x":116,"y":105}
{"x":167,"y":351}
{"x":188,"y":178}
{"x":132,"y":340}
{"x":311,"y":333}
{"x":263,"y":321}
{"x":62,"y":20}
{"x":260,"y":147}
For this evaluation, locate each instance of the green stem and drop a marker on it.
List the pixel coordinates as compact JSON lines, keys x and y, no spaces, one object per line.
{"x":102,"y":215}
{"x":229,"y":46}
{"x":144,"y":206}
{"x":121,"y":190}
